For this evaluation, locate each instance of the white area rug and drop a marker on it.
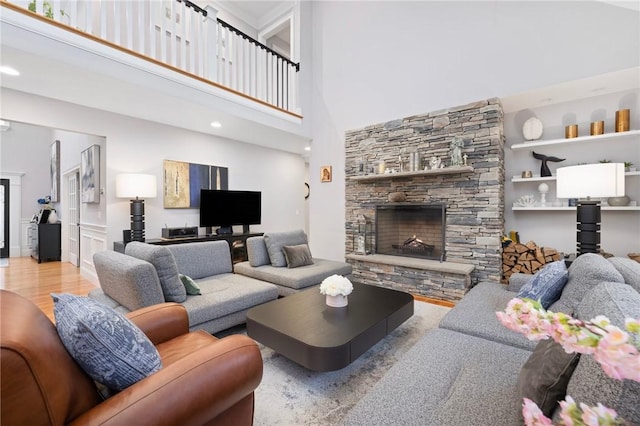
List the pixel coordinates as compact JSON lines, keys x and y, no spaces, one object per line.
{"x":292,"y":395}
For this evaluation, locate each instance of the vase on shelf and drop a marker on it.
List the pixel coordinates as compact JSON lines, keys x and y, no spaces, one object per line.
{"x":338,"y":301}
{"x":53,"y":217}
{"x":618,"y":201}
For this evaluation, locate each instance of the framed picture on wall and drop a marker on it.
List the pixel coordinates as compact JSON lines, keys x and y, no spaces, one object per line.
{"x":325,"y":174}
{"x":90,"y":174}
{"x":55,"y":171}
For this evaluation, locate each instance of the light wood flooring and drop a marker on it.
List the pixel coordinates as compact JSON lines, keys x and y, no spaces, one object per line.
{"x":36,"y":281}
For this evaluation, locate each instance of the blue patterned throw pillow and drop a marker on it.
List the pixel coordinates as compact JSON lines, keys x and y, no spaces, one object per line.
{"x":107,"y":345}
{"x":546,"y":285}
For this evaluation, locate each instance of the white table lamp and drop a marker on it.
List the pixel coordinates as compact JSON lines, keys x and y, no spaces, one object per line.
{"x":584,"y":182}
{"x":136,"y":187}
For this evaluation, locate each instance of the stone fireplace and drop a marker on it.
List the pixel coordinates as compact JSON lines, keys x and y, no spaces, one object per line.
{"x":467,"y":243}
{"x":411,"y":229}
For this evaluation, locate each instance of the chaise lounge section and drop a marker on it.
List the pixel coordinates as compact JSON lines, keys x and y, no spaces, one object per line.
{"x":147,"y":275}
{"x":267,"y":262}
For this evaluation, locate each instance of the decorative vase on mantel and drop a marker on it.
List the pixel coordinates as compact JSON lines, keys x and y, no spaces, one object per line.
{"x":338,"y":301}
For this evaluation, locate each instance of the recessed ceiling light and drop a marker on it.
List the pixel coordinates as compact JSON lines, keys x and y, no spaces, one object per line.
{"x":8,"y":70}
{"x":216,"y":124}
{"x":307,"y":148}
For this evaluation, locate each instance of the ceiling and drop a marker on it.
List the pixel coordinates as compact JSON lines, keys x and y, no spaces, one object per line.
{"x":93,"y":75}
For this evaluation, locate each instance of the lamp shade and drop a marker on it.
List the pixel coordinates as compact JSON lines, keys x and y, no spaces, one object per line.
{"x":590,"y":180}
{"x":135,"y":185}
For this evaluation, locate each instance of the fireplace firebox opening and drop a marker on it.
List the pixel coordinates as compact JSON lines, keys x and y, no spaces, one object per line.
{"x":411,"y":230}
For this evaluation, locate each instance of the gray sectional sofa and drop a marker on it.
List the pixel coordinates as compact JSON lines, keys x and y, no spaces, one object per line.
{"x":267,"y":263}
{"x":148,"y":274}
{"x":466,"y":371}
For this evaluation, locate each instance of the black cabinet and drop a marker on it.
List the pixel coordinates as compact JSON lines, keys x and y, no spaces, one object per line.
{"x":44,"y":241}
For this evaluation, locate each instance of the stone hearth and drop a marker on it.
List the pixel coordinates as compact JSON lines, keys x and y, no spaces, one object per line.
{"x":473,"y":196}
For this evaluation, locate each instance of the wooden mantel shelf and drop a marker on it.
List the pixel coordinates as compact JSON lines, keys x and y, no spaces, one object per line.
{"x":445,"y":171}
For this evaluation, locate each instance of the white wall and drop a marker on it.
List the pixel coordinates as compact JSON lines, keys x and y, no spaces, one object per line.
{"x":377,"y":61}
{"x":620,"y":230}
{"x":71,"y":146}
{"x":134,"y":145}
{"x":25,"y":149}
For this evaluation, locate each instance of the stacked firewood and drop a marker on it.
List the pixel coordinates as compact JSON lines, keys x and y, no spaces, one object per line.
{"x":526,"y":258}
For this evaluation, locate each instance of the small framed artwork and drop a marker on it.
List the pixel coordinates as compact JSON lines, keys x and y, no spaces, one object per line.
{"x":325,"y":174}
{"x":90,"y":174}
{"x":55,"y":171}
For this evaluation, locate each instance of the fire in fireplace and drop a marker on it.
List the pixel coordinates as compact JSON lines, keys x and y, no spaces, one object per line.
{"x":411,"y":229}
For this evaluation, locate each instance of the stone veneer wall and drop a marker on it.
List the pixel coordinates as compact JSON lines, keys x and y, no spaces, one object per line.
{"x":475,"y":201}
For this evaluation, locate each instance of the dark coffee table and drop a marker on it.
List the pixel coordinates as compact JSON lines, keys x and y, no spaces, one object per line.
{"x":304,"y":329}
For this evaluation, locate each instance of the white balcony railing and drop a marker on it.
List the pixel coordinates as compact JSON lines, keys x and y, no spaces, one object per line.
{"x":182,"y":35}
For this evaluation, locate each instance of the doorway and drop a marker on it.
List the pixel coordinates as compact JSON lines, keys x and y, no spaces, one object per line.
{"x":73,"y":216}
{"x":4,"y":218}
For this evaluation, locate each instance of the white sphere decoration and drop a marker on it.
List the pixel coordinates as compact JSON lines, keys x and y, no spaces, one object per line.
{"x":543,"y":188}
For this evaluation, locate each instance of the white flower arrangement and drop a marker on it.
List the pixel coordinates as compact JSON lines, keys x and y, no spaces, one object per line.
{"x":336,"y":285}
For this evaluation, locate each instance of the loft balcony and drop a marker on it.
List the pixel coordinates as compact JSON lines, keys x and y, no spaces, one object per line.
{"x":174,"y":50}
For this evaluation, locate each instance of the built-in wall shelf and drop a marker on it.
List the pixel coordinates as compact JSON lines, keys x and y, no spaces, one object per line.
{"x":596,"y":138}
{"x":568,"y":209}
{"x":537,"y":178}
{"x":444,"y":171}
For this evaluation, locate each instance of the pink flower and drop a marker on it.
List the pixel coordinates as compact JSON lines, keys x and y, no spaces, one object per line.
{"x":617,"y":351}
{"x":533,"y":415}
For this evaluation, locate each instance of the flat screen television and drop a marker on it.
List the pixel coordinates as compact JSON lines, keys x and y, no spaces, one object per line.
{"x":223,"y":209}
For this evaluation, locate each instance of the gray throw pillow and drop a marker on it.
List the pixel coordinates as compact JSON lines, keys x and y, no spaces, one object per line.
{"x":275,"y":241}
{"x":162,"y":259}
{"x":546,"y":285}
{"x":190,"y":285}
{"x":629,"y":269}
{"x":587,"y":271}
{"x":107,"y":345}
{"x":297,"y":255}
{"x":545,"y":376}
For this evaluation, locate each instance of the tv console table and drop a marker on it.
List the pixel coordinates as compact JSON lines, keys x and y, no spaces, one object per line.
{"x":238,"y":252}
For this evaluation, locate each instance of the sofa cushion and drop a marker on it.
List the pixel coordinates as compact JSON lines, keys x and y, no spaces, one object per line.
{"x":257,"y":251}
{"x":296,"y":256}
{"x":544,"y":377}
{"x":546,"y":285}
{"x":226,"y":294}
{"x":475,"y":314}
{"x":190,"y":285}
{"x":296,"y":278}
{"x":276,"y":240}
{"x":164,"y":262}
{"x":587,"y":271}
{"x":589,"y":384}
{"x":130,"y":281}
{"x":200,"y":260}
{"x":629,"y":269}
{"x":107,"y":345}
{"x":446,"y":379}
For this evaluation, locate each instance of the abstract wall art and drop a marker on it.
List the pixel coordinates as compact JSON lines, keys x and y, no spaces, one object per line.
{"x":183,"y":182}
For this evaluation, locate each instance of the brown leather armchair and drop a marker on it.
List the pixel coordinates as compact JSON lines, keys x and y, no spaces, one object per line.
{"x":204,"y":380}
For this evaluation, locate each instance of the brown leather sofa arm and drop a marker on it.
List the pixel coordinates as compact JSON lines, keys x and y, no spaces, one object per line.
{"x":161,"y":322}
{"x":191,"y":391}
